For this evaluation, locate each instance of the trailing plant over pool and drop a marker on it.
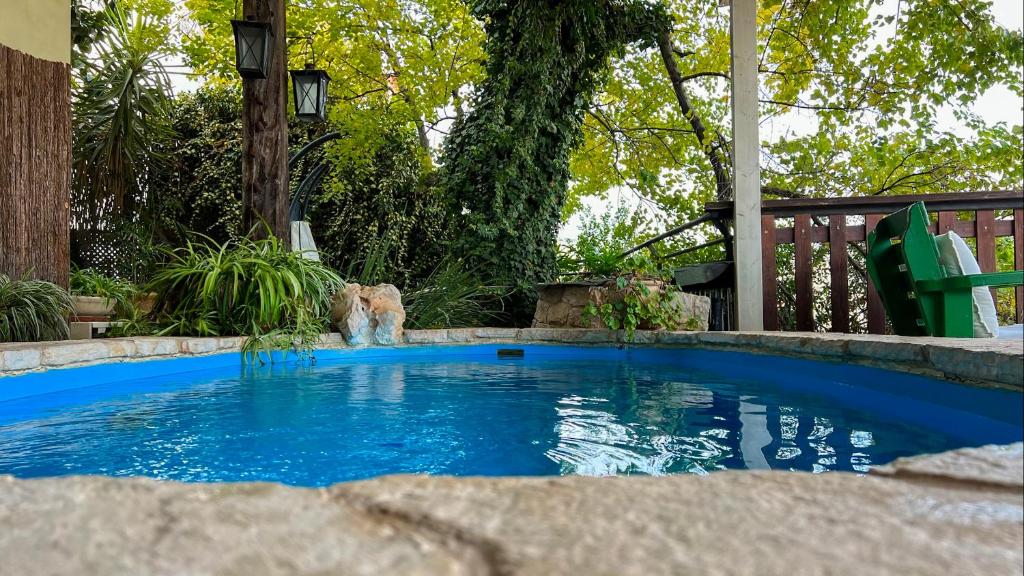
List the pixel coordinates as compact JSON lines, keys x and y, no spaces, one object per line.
{"x":253,"y":288}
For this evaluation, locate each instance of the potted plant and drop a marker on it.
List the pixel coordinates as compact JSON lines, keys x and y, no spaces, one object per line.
{"x":96,"y":297}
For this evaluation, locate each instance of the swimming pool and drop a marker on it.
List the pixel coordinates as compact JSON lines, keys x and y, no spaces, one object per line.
{"x":485,"y":410}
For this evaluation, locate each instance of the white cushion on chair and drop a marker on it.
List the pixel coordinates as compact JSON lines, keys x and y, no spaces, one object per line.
{"x":956,"y":258}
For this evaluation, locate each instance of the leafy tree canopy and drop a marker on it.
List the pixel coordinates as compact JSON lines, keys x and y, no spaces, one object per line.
{"x":868,"y":78}
{"x":412,"y":61}
{"x":869,"y":84}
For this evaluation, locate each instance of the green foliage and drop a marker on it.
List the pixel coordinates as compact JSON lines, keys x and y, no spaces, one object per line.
{"x":852,"y":97}
{"x":32,"y":310}
{"x":253,"y":288}
{"x":506,"y":164}
{"x":639,"y":307}
{"x":405,"y":62}
{"x":377,"y":211}
{"x":452,"y":297}
{"x":602,"y":241}
{"x":119,"y":117}
{"x":200,"y":187}
{"x":89,"y":282}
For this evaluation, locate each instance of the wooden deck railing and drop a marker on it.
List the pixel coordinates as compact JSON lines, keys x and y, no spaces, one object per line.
{"x":825,"y":220}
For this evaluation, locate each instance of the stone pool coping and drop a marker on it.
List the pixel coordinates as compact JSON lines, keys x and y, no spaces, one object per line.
{"x":968,"y":360}
{"x":959,"y":512}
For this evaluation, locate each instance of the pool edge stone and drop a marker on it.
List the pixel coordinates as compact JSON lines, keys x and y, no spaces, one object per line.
{"x":970,"y":361}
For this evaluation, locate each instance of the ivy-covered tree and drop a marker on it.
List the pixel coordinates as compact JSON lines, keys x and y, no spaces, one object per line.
{"x":506,"y":164}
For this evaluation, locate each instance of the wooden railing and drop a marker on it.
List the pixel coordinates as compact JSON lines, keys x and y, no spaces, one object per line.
{"x":825,"y":220}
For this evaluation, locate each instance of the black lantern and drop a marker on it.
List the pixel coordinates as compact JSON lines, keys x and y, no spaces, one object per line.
{"x":254,"y":43}
{"x":310,"y":86}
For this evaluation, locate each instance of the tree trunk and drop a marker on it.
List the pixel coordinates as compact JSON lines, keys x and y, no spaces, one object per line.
{"x":265,"y":133}
{"x":35,"y":167}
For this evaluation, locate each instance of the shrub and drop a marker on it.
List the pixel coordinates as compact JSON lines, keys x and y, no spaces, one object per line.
{"x":378,"y":207}
{"x":253,"y":288}
{"x":452,"y":297}
{"x":597,"y":250}
{"x":32,"y":310}
{"x":200,"y":189}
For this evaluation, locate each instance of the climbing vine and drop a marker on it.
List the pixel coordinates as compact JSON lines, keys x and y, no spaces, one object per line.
{"x":506,"y":163}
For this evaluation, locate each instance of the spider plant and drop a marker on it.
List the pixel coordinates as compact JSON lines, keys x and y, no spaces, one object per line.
{"x":32,"y":310}
{"x":253,"y":288}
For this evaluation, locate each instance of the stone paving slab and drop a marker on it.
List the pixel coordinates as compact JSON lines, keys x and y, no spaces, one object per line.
{"x":728,"y":523}
{"x":970,"y":360}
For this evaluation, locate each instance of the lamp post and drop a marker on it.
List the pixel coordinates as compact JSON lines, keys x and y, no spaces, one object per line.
{"x":253,"y":42}
{"x":310,"y":87}
{"x":260,"y":59}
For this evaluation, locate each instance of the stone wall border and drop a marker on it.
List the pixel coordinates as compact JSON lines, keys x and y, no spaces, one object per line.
{"x":972,"y":361}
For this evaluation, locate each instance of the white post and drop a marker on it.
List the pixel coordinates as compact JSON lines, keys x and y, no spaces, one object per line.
{"x":746,"y":167}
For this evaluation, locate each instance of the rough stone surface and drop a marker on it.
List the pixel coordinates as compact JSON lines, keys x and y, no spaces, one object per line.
{"x":369,"y":314}
{"x":726,"y":523}
{"x":155,"y":346}
{"x":61,"y":353}
{"x":19,"y":359}
{"x":1000,"y":465}
{"x":562,"y":305}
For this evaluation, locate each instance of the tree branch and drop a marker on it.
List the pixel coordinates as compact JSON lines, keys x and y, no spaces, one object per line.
{"x":703,"y":74}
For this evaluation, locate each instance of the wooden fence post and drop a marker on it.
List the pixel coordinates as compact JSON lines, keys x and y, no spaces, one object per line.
{"x":839,"y":272}
{"x":803,"y":272}
{"x":769,"y":271}
{"x":876,"y":311}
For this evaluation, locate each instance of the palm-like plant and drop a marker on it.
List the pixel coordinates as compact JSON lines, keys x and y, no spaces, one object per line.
{"x":120,"y":116}
{"x":32,"y":310}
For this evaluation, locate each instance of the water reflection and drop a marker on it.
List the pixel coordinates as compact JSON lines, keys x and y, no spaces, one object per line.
{"x":595,"y":440}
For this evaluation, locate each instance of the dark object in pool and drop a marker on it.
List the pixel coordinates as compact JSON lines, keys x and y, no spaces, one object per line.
{"x":511,"y":353}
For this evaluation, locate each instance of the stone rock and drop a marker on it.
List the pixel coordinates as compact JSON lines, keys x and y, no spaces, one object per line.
{"x":727,"y":523}
{"x":369,"y":314}
{"x":562,"y":305}
{"x":1002,"y":465}
{"x":695,"y":310}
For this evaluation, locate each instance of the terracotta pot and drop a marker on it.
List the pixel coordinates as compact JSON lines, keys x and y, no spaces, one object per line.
{"x":92,"y":306}
{"x":145,"y":302}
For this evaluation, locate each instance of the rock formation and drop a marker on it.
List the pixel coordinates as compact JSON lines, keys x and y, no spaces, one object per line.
{"x":369,"y":314}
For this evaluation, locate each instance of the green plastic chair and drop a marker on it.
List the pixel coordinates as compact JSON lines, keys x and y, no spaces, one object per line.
{"x":903,"y":261}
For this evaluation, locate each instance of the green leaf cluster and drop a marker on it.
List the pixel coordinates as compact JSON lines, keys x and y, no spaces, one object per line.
{"x":634,"y":305}
{"x":32,"y":310}
{"x":253,"y":288}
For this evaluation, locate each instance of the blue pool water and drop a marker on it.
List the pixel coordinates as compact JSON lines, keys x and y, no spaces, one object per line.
{"x":467,"y":411}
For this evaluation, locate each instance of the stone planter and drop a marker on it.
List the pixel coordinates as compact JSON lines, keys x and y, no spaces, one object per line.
{"x":562,"y":305}
{"x":92,"y":307}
